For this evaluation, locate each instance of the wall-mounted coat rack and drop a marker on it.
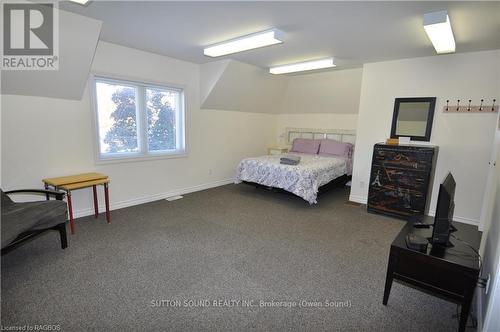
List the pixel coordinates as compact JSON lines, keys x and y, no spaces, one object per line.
{"x":468,"y":108}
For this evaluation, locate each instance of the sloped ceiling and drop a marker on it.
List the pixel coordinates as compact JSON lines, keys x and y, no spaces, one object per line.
{"x":78,"y":36}
{"x":236,"y":86}
{"x":242,"y":87}
{"x":210,"y":73}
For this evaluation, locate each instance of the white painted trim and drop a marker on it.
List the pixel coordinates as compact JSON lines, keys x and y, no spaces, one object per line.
{"x":358,"y":199}
{"x":491,"y":320}
{"x":151,"y":198}
{"x":463,"y":220}
{"x":489,"y":192}
{"x":136,"y":79}
{"x":132,"y":158}
{"x":143,"y":154}
{"x":364,"y":200}
{"x":473,"y":222}
{"x":479,"y":308}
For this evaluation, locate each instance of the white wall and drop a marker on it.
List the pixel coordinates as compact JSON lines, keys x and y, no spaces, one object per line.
{"x":325,"y":100}
{"x":335,"y":91}
{"x":464,"y":140}
{"x":491,"y":267}
{"x":313,"y":120}
{"x":489,"y":303}
{"x":45,"y":137}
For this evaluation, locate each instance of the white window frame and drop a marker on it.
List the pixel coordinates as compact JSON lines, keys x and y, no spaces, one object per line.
{"x":141,"y":120}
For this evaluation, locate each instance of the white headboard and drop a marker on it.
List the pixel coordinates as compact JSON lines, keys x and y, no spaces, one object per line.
{"x":340,"y":135}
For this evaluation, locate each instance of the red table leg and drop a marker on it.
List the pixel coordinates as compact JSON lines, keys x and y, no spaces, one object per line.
{"x":70,"y":210}
{"x":47,"y":197}
{"x":96,"y":206}
{"x":106,"y":199}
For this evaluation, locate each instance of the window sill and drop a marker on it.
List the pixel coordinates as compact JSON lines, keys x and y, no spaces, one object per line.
{"x":132,"y":159}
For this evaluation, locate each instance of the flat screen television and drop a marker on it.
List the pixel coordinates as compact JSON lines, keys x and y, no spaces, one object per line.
{"x":444,"y":212}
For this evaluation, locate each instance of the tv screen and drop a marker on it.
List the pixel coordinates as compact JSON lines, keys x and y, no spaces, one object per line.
{"x":444,"y":211}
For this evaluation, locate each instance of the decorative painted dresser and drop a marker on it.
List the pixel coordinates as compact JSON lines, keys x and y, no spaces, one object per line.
{"x":401,"y":180}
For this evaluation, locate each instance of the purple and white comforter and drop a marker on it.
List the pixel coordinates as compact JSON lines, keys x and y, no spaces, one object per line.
{"x":303,"y":179}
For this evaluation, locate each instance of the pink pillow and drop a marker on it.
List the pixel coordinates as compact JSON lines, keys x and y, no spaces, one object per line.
{"x":332,"y":147}
{"x":305,"y":145}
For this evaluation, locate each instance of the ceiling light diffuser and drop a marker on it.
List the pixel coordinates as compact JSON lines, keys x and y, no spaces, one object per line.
{"x":81,"y":2}
{"x":303,"y":66}
{"x":438,"y":28}
{"x":244,"y":43}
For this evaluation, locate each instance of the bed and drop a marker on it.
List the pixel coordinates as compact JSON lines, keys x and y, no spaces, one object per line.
{"x":316,"y":170}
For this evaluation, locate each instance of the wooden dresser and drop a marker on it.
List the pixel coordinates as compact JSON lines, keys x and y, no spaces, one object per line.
{"x":401,"y":180}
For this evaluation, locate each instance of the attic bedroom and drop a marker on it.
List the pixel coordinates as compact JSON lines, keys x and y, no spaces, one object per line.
{"x":222,"y":166}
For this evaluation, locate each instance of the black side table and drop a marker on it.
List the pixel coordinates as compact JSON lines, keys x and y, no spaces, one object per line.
{"x":449,"y":273}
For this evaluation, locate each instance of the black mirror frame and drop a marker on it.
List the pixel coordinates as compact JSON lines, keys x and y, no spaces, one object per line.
{"x":430,"y":117}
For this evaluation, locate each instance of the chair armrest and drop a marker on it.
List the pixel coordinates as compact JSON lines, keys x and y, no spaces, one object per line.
{"x":59,"y":195}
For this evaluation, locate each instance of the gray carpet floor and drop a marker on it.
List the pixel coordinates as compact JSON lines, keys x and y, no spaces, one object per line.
{"x":231,"y":243}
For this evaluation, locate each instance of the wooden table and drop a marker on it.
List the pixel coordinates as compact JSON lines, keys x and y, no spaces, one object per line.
{"x":449,"y":273}
{"x":80,"y":181}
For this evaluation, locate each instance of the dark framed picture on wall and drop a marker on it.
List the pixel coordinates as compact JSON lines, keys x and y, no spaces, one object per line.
{"x":413,"y":118}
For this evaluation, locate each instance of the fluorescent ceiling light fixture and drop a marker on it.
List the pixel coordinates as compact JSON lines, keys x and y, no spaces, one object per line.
{"x":438,"y":28}
{"x":302,"y":66}
{"x":244,"y":43}
{"x":81,"y":2}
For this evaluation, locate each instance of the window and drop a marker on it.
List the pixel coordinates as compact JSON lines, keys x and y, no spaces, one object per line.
{"x":137,"y":120}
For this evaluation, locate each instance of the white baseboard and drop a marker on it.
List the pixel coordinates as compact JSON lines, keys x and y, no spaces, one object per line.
{"x":463,"y":220}
{"x":468,"y":221}
{"x":151,"y":198}
{"x":358,"y":199}
{"x":364,"y":200}
{"x":183,"y":191}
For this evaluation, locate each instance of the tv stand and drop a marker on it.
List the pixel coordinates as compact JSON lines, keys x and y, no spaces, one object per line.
{"x":438,"y":247}
{"x":437,"y":271}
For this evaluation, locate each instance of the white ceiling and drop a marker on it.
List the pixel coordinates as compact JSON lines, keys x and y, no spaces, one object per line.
{"x":353,"y":32}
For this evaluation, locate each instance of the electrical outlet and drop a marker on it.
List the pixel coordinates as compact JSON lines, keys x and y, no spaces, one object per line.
{"x":487,"y":287}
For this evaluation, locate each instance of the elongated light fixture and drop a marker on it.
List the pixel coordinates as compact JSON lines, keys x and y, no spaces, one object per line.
{"x":244,"y":43}
{"x":81,"y":2}
{"x":303,"y":66}
{"x":438,"y":28}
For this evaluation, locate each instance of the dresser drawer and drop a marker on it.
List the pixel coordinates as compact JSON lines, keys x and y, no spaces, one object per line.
{"x":396,"y":201}
{"x":403,"y":158}
{"x":397,"y":192}
{"x":399,"y":178}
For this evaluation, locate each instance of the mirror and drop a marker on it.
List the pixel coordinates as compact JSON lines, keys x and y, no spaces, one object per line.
{"x":413,"y":118}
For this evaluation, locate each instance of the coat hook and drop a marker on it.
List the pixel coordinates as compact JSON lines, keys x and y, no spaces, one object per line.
{"x":481,"y":106}
{"x":447,"y":107}
{"x":468,"y":108}
{"x":458,"y":104}
{"x":493,"y":106}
